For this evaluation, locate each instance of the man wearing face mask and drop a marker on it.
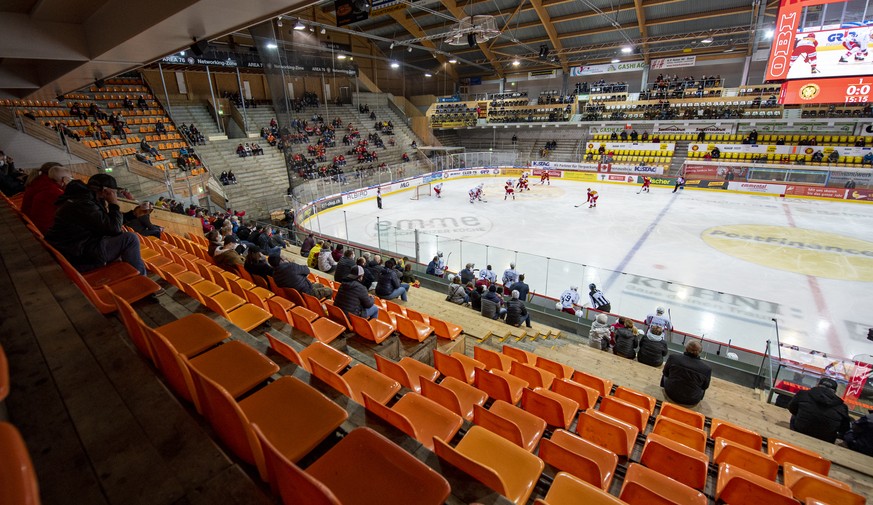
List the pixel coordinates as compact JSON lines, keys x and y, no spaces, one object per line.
{"x":88,"y":226}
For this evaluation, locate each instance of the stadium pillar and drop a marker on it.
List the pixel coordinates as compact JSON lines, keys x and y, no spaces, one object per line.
{"x":166,"y":95}
{"x":745,"y":71}
{"x":214,"y":102}
{"x":242,"y":99}
{"x":645,"y":79}
{"x":502,"y":84}
{"x":565,"y":82}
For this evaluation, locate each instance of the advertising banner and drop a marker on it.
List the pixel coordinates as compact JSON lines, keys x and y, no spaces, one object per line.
{"x":329,"y":202}
{"x":711,"y":171}
{"x":538,"y":172}
{"x":857,"y":381}
{"x":633,"y":146}
{"x":616,"y":178}
{"x":817,"y":191}
{"x":771,"y":149}
{"x":694,"y":128}
{"x":861,"y":177}
{"x":786,"y":128}
{"x":607,"y":68}
{"x":754,"y":187}
{"x":605,"y":129}
{"x":833,"y":90}
{"x":862,"y":195}
{"x":678,"y":62}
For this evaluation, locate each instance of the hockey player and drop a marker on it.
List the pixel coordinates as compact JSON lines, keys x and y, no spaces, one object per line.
{"x":438,"y":189}
{"x":522,"y":183}
{"x":592,"y":198}
{"x":441,"y":264}
{"x":508,"y":191}
{"x":680,"y":183}
{"x":647,"y":183}
{"x":544,"y":178}
{"x":569,"y":300}
{"x":807,"y":47}
{"x":510,"y":275}
{"x":487,"y":274}
{"x":856,"y":42}
{"x":476,"y":193}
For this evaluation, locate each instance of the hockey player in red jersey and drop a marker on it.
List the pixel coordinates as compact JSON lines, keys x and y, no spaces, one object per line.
{"x":522,"y":183}
{"x":647,"y":183}
{"x":807,"y":47}
{"x":508,"y":191}
{"x":544,"y":178}
{"x":592,"y":198}
{"x":438,"y":189}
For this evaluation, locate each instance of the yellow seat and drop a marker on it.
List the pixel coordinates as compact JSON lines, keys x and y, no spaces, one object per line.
{"x":495,"y":462}
{"x":567,"y":489}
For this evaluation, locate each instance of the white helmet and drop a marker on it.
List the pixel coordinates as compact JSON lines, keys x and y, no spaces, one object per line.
{"x":440,"y":254}
{"x":512,"y":265}
{"x":660,"y":310}
{"x":574,"y":288}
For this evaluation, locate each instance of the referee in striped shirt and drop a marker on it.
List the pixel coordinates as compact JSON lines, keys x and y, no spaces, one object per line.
{"x":598,"y":301}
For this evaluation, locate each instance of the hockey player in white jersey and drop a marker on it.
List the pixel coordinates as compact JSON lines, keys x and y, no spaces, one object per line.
{"x":856,"y":41}
{"x":438,"y":189}
{"x":488,"y":274}
{"x":510,"y":275}
{"x":476,"y":193}
{"x":569,"y":300}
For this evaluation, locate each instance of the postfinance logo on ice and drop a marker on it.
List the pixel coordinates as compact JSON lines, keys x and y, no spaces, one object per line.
{"x":798,"y":250}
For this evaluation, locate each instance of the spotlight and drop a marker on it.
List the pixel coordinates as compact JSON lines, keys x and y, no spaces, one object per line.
{"x":707,"y":40}
{"x":340,"y":56}
{"x":299,"y":25}
{"x":394,"y":64}
{"x":453,"y":61}
{"x":271,"y":45}
{"x":428,"y":74}
{"x":323,"y":31}
{"x":616,"y":60}
{"x":410,"y":49}
{"x":515,"y":63}
{"x":391,"y":46}
{"x":768,"y":34}
{"x":181,"y":53}
{"x":279,"y":21}
{"x":627,"y":49}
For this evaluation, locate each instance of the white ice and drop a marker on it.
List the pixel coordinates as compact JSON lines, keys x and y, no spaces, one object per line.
{"x":654,"y":239}
{"x":828,"y":65}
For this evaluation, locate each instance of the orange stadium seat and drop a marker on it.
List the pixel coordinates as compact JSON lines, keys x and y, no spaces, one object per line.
{"x":675,"y":460}
{"x":17,"y":475}
{"x":418,"y":417}
{"x":408,"y":372}
{"x":500,"y":386}
{"x":455,"y":395}
{"x":643,"y":486}
{"x":567,"y":489}
{"x":579,"y":457}
{"x":358,"y":380}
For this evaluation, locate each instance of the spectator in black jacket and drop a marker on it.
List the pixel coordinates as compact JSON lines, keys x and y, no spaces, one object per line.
{"x":467,"y":274}
{"x":352,"y":295}
{"x":686,"y":377}
{"x":344,"y":265}
{"x":516,"y":313}
{"x":476,"y":298}
{"x":87,"y":227}
{"x":388,"y":287}
{"x":653,"y":348}
{"x":308,"y":244}
{"x":626,"y":340}
{"x":256,"y":263}
{"x":138,"y":220}
{"x":819,"y":412}
{"x":522,"y":288}
{"x":860,"y":437}
{"x":288,"y":274}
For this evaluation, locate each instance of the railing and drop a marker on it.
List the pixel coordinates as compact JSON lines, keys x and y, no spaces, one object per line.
{"x":56,"y":138}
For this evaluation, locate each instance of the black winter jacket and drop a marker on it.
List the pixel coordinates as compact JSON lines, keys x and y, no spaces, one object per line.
{"x":515,"y":312}
{"x":652,"y":352}
{"x":476,"y":300}
{"x":626,"y":342}
{"x":819,"y":413}
{"x":293,"y":275}
{"x":343,"y":267}
{"x":388,"y":282}
{"x":80,"y":223}
{"x":352,"y":297}
{"x":685,"y":378}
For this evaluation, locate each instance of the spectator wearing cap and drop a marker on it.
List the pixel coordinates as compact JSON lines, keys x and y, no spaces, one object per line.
{"x":686,"y":377}
{"x":819,"y":412}
{"x":138,"y":220}
{"x":229,"y":255}
{"x":88,"y":226}
{"x":352,"y":296}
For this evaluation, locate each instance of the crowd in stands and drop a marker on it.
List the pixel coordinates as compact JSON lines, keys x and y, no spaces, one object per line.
{"x":247,"y":150}
{"x":237,"y":100}
{"x":666,"y":87}
{"x":227,"y":178}
{"x":192,"y":134}
{"x":454,"y":113}
{"x":554,"y":97}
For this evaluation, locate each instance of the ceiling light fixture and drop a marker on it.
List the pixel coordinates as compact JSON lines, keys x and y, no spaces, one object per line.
{"x":394,"y":64}
{"x":707,"y":40}
{"x":299,"y":25}
{"x":410,"y":49}
{"x":323,"y":31}
{"x":391,"y":46}
{"x":340,"y":56}
{"x":428,"y":74}
{"x":279,"y":21}
{"x":515,"y":63}
{"x":768,"y":34}
{"x":453,"y":61}
{"x":181,"y":53}
{"x":271,"y":45}
{"x":626,"y":49}
{"x":616,"y":60}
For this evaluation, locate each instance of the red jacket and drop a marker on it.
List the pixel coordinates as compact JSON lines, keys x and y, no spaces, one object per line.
{"x":39,"y":202}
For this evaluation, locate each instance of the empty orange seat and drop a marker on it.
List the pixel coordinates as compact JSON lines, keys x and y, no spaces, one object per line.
{"x":455,"y":395}
{"x":445,"y":329}
{"x":680,"y":432}
{"x":408,"y":372}
{"x":370,"y":329}
{"x":737,"y":486}
{"x":500,"y":386}
{"x":4,"y":375}
{"x":806,"y":484}
{"x":643,"y":486}
{"x":520,"y":355}
{"x":325,"y":355}
{"x":556,"y":410}
{"x":602,"y":386}
{"x":357,"y":380}
{"x":579,"y":457}
{"x":560,"y":370}
{"x":410,"y":329}
{"x":683,"y":415}
{"x":534,"y":376}
{"x":512,"y":423}
{"x":738,"y":434}
{"x":418,"y":417}
{"x":362,"y":469}
{"x":17,"y":476}
{"x":492,"y":359}
{"x":740,"y":456}
{"x":567,"y":489}
{"x":495,"y":462}
{"x":641,"y":400}
{"x":627,"y":412}
{"x":607,"y":432}
{"x":583,"y":395}
{"x":321,"y":329}
{"x":677,"y":461}
{"x":247,"y":317}
{"x":457,"y":365}
{"x":783,"y":453}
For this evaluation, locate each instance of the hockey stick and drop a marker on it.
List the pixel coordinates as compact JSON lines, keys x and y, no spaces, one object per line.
{"x":640,"y":191}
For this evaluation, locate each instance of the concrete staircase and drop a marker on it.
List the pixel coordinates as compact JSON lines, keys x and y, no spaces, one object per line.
{"x":197,"y":114}
{"x":679,"y":156}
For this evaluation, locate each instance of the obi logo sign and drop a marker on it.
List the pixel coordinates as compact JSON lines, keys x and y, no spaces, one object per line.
{"x":808,"y":252}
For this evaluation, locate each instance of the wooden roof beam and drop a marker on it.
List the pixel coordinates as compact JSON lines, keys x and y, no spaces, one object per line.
{"x":417,"y":32}
{"x":546,"y":20}
{"x":641,"y":22}
{"x":458,"y":13}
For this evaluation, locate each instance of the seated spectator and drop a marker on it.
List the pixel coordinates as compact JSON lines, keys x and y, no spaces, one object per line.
{"x":326,"y":263}
{"x":388,"y":285}
{"x":686,"y":377}
{"x":146,"y":148}
{"x":653,"y":347}
{"x":867,"y":159}
{"x":457,"y":294}
{"x":87,"y":227}
{"x":223,"y":178}
{"x":716,"y":152}
{"x":337,"y":252}
{"x":819,"y":412}
{"x":817,"y":157}
{"x":241,"y":151}
{"x":42,"y":191}
{"x":408,"y":277}
{"x":230,"y":255}
{"x":860,"y":437}
{"x":256,"y":263}
{"x":231,"y":178}
{"x":141,"y":103}
{"x":139,"y":221}
{"x":12,"y":180}
{"x":467,"y":274}
{"x":344,"y":265}
{"x":308,"y":244}
{"x":160,"y":128}
{"x":312,"y":259}
{"x":404,"y":158}
{"x":288,"y":274}
{"x":516,"y":313}
{"x":626,"y":340}
{"x":861,"y":142}
{"x":268,"y":243}
{"x":499,"y":311}
{"x":834,"y":157}
{"x":142,"y":159}
{"x":352,"y":296}
{"x":599,"y":336}
{"x":476,"y":298}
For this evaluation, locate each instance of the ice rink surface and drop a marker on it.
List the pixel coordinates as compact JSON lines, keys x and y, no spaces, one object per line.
{"x":724,"y":264}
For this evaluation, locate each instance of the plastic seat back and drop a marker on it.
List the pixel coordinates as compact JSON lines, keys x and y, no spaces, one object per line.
{"x":579,"y":457}
{"x":444,"y":329}
{"x":560,"y":370}
{"x":641,"y":400}
{"x":683,"y":415}
{"x":451,"y":366}
{"x":680,"y":432}
{"x":675,"y":460}
{"x":805,"y":484}
{"x":567,"y":489}
{"x":132,"y":323}
{"x":554,"y":409}
{"x":394,"y":418}
{"x":585,"y":396}
{"x":535,"y":377}
{"x":520,"y":355}
{"x":280,"y":311}
{"x":738,"y":434}
{"x":740,"y":456}
{"x":783,"y":453}
{"x":737,"y":486}
{"x":332,"y":379}
{"x":338,"y":316}
{"x":287,"y":351}
{"x":496,"y":387}
{"x":314,"y":304}
{"x":393,"y":370}
{"x":364,"y":329}
{"x":602,"y":386}
{"x":443,"y":396}
{"x":17,"y":475}
{"x":627,"y":412}
{"x":607,"y":432}
{"x":643,"y":486}
{"x":492,"y":359}
{"x":171,"y":365}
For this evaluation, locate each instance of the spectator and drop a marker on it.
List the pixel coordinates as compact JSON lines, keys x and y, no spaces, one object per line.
{"x":308,"y":244}
{"x":146,"y":148}
{"x":598,"y":300}
{"x":860,"y":437}
{"x":433,"y":266}
{"x":467,"y":274}
{"x":139,"y":221}
{"x":685,"y":378}
{"x":522,"y":288}
{"x":408,"y":277}
{"x":87,"y":226}
{"x":352,"y":296}
{"x":269,"y":243}
{"x":497,"y":310}
{"x":389,"y":287}
{"x":817,"y":157}
{"x":819,"y":412}
{"x":850,"y":184}
{"x":288,"y":274}
{"x":456,"y":293}
{"x":42,"y":191}
{"x":344,"y":265}
{"x":326,"y":262}
{"x":715,"y":153}
{"x":516,"y":313}
{"x":626,"y":340}
{"x":653,"y":348}
{"x":476,"y":298}
{"x":229,"y":255}
{"x":312,"y":259}
{"x":510,"y":275}
{"x":256,"y":263}
{"x":337,"y":252}
{"x":12,"y":180}
{"x":834,"y":157}
{"x":599,"y":335}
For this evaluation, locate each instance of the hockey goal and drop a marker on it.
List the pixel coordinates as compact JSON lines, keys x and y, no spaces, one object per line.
{"x":422,"y":190}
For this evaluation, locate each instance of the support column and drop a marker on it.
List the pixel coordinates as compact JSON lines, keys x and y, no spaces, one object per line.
{"x":745,"y":77}
{"x":166,"y":95}
{"x":242,"y":98}
{"x":214,"y":102}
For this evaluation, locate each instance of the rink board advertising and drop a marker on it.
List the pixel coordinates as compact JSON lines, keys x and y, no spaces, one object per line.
{"x":821,"y":39}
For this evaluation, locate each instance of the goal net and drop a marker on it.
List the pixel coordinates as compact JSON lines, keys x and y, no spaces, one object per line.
{"x":421,"y":190}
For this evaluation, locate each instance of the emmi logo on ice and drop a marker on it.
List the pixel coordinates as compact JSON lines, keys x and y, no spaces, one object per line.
{"x":435,"y":225}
